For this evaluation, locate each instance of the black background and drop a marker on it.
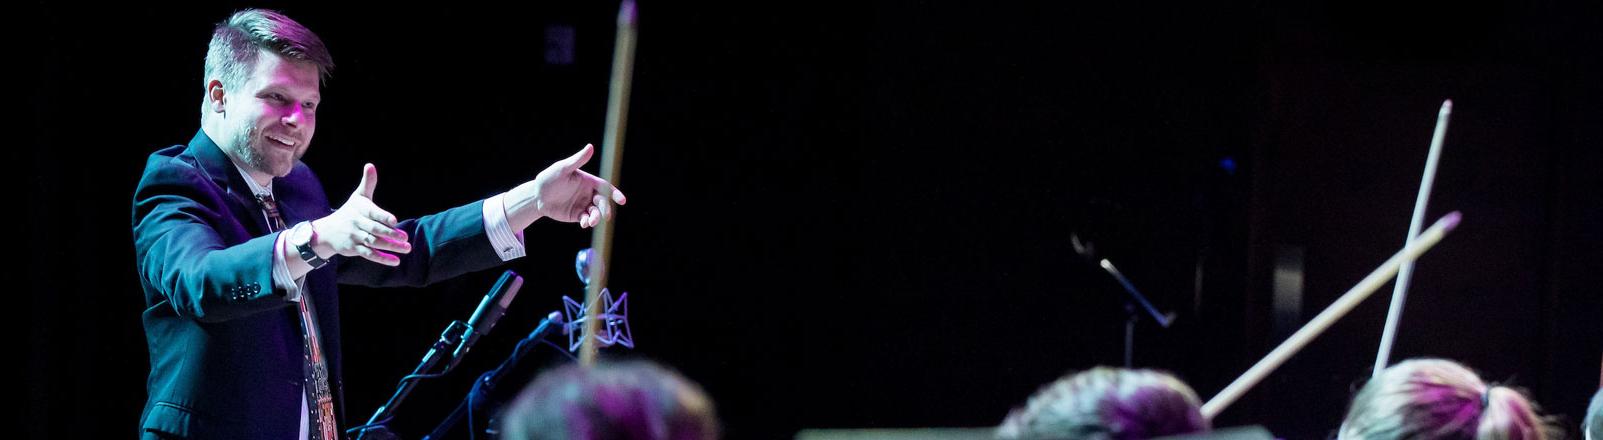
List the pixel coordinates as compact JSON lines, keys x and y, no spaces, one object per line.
{"x":858,"y":215}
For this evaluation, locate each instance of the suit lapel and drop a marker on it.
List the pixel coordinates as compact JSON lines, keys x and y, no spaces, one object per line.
{"x":222,"y":172}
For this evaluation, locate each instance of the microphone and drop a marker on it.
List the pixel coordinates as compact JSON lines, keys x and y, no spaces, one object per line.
{"x":487,"y":381}
{"x":581,"y":263}
{"x":462,"y":336}
{"x":540,"y":331}
{"x":490,"y":310}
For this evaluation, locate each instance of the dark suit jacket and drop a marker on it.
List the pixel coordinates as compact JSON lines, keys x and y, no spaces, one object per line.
{"x":225,"y":345}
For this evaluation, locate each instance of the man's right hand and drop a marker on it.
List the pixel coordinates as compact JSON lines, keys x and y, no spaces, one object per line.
{"x":360,"y":228}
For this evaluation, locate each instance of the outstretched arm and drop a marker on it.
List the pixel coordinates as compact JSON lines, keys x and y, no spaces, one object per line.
{"x":563,"y":193}
{"x":478,"y":236}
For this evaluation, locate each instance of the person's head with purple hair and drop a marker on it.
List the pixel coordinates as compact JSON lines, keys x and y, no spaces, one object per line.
{"x":1439,"y":399}
{"x":631,"y":400}
{"x":1108,"y":403}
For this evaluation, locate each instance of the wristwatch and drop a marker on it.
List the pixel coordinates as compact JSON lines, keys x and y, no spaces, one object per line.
{"x":301,"y":237}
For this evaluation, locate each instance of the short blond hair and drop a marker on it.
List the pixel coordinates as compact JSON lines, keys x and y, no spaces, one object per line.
{"x":237,"y":42}
{"x":1108,"y":403}
{"x":1440,"y":399}
{"x":630,"y":400}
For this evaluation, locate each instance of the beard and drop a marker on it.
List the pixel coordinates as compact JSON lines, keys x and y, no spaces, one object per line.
{"x":253,"y":149}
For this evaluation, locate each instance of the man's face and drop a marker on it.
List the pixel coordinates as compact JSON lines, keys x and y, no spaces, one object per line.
{"x":273,"y":115}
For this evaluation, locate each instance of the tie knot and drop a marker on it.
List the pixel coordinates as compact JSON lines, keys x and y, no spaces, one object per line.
{"x":275,"y":222}
{"x":267,"y":201}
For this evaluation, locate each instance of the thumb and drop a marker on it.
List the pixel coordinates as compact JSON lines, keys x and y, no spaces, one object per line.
{"x":369,"y":180}
{"x":578,"y":159}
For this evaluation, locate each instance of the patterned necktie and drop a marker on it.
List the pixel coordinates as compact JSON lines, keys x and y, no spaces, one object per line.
{"x":315,"y":371}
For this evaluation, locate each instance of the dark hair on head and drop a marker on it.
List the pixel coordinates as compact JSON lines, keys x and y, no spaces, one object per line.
{"x":237,"y":41}
{"x":1107,"y":403}
{"x":1440,"y":399}
{"x":633,"y":400}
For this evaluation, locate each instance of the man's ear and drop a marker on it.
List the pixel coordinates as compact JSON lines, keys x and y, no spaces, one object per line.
{"x":216,"y":96}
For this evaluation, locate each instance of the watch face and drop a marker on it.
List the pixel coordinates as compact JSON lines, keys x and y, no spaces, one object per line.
{"x":300,"y":236}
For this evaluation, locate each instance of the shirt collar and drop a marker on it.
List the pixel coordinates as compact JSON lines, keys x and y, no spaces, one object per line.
{"x":255,"y":188}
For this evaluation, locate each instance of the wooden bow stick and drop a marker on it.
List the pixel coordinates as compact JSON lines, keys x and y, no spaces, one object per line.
{"x":1399,"y":294}
{"x":623,"y":57}
{"x":1344,"y":304}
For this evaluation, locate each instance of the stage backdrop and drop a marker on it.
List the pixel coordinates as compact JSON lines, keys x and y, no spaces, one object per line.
{"x":860,"y":215}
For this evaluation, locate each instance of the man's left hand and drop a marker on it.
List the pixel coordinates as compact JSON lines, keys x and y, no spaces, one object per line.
{"x":564,"y":193}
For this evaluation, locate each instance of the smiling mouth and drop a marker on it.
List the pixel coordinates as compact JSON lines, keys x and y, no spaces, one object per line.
{"x":281,"y":141}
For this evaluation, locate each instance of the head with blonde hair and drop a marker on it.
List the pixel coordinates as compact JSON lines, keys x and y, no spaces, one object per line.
{"x":631,"y":400}
{"x":263,"y":85}
{"x":1108,"y":403}
{"x":1440,"y":399}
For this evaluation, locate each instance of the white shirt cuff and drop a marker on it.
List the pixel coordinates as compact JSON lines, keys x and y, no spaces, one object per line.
{"x":507,"y":243}
{"x":281,"y":279}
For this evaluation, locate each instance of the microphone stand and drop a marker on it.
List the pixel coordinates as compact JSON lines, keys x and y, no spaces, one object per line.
{"x":1133,"y":297}
{"x":486,"y":382}
{"x":377,"y":426}
{"x":454,"y":343}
